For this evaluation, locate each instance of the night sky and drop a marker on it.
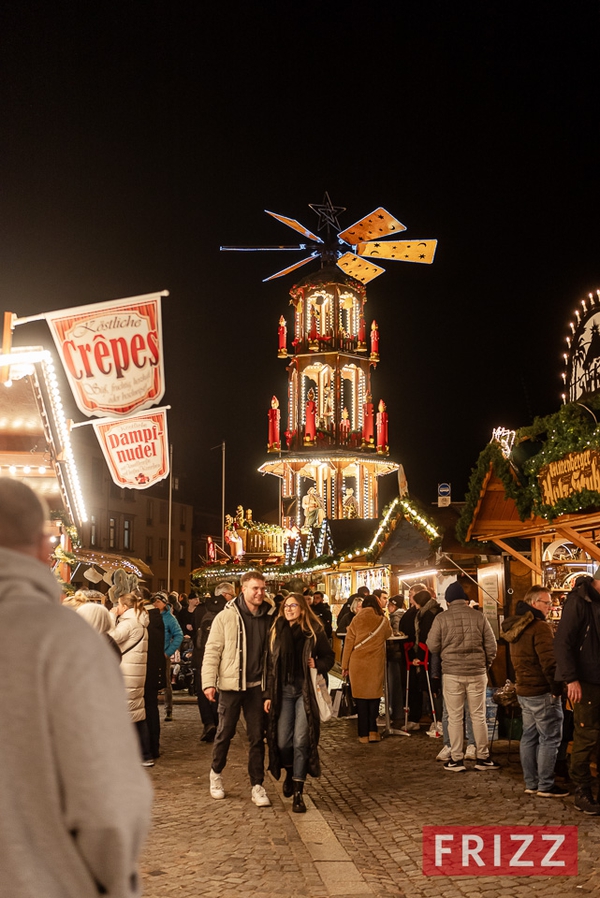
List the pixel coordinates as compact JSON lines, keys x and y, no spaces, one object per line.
{"x":137,"y":137}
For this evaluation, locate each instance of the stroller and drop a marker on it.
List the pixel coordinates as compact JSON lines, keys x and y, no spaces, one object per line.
{"x":182,"y":674}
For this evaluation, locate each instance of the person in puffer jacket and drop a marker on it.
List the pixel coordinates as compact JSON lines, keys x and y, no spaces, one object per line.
{"x":467,"y":645}
{"x":539,"y":694}
{"x":131,"y":635}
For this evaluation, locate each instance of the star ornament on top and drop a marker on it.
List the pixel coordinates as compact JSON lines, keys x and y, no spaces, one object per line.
{"x":327,"y":212}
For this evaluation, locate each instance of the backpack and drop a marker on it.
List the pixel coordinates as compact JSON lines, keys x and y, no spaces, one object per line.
{"x":203,"y":630}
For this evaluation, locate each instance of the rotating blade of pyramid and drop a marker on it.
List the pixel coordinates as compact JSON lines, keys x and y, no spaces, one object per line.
{"x":287,"y":270}
{"x":378,"y":224}
{"x":358,"y":268}
{"x":295,"y":225}
{"x":421,"y":251}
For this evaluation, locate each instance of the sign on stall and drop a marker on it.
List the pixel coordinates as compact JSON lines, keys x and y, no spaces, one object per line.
{"x":575,"y":472}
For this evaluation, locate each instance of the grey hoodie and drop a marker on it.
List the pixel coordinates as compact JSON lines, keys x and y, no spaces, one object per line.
{"x":75,"y":801}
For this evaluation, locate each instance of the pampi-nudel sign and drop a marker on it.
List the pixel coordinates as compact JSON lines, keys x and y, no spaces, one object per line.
{"x":575,"y":472}
{"x":136,"y":448}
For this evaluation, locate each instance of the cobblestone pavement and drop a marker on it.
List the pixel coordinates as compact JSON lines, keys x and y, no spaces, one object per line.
{"x":362,"y":833}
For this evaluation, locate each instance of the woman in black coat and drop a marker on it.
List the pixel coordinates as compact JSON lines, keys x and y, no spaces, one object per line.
{"x":297,"y":643}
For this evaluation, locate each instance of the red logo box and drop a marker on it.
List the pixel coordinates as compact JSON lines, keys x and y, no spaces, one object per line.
{"x":500,"y":850}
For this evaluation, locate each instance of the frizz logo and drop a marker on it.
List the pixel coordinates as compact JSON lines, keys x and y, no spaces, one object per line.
{"x":500,"y":850}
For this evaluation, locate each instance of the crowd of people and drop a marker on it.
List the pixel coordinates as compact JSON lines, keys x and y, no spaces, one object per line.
{"x":264,"y":655}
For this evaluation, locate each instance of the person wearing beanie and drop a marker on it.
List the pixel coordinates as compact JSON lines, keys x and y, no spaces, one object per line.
{"x":455,"y":592}
{"x":466,"y":643}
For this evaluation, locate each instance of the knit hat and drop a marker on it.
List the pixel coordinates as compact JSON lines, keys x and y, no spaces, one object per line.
{"x":454,"y":592}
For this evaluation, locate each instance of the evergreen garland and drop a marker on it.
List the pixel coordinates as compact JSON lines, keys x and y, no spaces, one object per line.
{"x":572,"y":429}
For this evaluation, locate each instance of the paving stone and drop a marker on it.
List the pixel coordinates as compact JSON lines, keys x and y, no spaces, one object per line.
{"x":366,"y":811}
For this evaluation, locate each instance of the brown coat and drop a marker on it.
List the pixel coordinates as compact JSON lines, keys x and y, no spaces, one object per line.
{"x":367,"y":662}
{"x":531,"y":651}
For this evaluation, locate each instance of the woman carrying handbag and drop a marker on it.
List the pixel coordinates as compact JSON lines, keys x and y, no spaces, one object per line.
{"x":297,"y":643}
{"x":364,"y":661}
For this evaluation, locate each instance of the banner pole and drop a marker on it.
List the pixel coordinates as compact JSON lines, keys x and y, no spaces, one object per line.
{"x":170,"y":517}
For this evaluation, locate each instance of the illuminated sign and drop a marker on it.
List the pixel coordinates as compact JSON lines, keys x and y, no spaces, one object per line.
{"x":112,"y":354}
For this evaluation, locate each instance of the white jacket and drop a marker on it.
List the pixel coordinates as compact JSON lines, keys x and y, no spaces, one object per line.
{"x":131,"y":635}
{"x":224,"y":663}
{"x":75,"y":800}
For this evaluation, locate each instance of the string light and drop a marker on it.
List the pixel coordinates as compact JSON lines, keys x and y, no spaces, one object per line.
{"x":63,"y":432}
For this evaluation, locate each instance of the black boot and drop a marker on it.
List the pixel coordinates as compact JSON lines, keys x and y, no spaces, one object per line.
{"x":298,"y":806}
{"x":288,"y":783}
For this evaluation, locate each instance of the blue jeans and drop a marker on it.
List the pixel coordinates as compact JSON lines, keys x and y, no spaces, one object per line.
{"x":542,"y":732}
{"x":292,"y":732}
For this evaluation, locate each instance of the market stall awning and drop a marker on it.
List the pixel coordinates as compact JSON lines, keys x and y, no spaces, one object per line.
{"x":109,"y":562}
{"x":35,"y":443}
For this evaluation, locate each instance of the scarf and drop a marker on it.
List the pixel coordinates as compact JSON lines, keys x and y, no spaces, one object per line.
{"x":292,"y":645}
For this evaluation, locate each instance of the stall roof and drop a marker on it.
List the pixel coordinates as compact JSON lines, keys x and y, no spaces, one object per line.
{"x":109,"y":562}
{"x":35,"y":445}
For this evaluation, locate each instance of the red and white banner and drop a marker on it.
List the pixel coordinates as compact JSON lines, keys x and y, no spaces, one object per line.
{"x":112,"y":354}
{"x":136,"y":449}
{"x":500,"y":850}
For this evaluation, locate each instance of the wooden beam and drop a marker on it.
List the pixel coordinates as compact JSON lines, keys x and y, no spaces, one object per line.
{"x":6,"y":345}
{"x":579,"y":540}
{"x":537,"y":553}
{"x":517,"y":555}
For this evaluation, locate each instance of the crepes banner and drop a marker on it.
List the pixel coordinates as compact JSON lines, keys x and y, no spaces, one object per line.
{"x":136,"y":449}
{"x":112,"y":354}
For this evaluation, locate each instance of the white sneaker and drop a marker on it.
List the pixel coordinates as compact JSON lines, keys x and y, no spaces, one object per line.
{"x":445,"y":754}
{"x":471,"y":753}
{"x":260,"y":797}
{"x":216,"y":785}
{"x":412,"y":725}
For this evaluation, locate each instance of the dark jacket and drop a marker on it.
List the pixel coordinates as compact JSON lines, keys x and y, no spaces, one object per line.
{"x":577,"y":640}
{"x":345,"y":618}
{"x":407,"y":624}
{"x":156,"y":661}
{"x":321,"y":651}
{"x":423,"y":620}
{"x":323,"y":612}
{"x":531,"y":651}
{"x":202,"y":617}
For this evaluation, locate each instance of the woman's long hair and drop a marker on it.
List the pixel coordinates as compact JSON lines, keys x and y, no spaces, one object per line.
{"x":308,"y":620}
{"x":371,"y":602}
{"x":132,"y":600}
